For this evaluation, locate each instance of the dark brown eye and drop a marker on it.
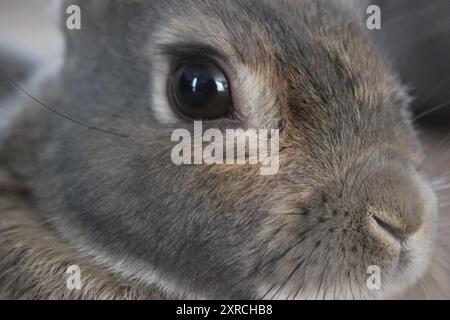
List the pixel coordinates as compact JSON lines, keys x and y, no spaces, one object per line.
{"x":200,"y":91}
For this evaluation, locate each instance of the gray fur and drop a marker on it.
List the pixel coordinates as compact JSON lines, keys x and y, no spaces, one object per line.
{"x":348,"y":148}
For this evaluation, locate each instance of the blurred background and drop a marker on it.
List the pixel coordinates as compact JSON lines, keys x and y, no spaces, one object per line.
{"x":415,"y":36}
{"x":31,"y":26}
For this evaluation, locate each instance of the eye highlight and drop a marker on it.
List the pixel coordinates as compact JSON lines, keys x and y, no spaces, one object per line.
{"x":200,"y":91}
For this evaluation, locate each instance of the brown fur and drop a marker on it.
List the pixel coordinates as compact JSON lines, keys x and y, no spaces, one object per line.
{"x":34,"y":260}
{"x":348,"y":152}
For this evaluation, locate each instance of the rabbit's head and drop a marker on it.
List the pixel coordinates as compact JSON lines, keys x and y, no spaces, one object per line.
{"x":348,"y":198}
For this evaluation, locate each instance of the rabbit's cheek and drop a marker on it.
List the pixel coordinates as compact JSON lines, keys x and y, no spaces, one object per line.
{"x":327,"y":244}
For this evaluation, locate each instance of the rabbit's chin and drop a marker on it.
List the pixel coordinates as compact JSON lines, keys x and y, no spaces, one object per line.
{"x":404,"y":274}
{"x":353,"y":277}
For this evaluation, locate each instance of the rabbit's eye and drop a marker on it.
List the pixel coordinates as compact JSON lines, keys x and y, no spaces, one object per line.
{"x":200,"y":91}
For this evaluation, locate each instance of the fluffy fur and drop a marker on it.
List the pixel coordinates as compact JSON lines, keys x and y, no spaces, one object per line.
{"x":34,"y":260}
{"x":348,"y":152}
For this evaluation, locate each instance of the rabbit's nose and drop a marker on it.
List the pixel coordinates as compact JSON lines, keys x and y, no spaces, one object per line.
{"x":399,"y":201}
{"x":391,"y":229}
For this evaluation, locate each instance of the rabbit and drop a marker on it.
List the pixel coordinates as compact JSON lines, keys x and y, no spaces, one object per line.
{"x":92,"y":158}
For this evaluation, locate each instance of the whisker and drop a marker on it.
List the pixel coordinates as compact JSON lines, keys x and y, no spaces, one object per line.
{"x":426,"y":113}
{"x":441,"y":187}
{"x":441,"y":146}
{"x":54,"y":111}
{"x":268,"y":291}
{"x":276,"y":258}
{"x":442,"y":156}
{"x":322,"y":277}
{"x":283,"y":285}
{"x":440,"y":181}
{"x":304,"y":271}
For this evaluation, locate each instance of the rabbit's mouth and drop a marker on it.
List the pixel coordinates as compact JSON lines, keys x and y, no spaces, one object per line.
{"x":362,"y":250}
{"x":329,"y":275}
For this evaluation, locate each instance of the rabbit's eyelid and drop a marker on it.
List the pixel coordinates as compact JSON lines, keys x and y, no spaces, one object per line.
{"x":167,"y":57}
{"x":184,"y":53}
{"x":188,"y":52}
{"x":189,"y":49}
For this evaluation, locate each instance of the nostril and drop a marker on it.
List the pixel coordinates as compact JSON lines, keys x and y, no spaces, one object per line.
{"x":392,"y":230}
